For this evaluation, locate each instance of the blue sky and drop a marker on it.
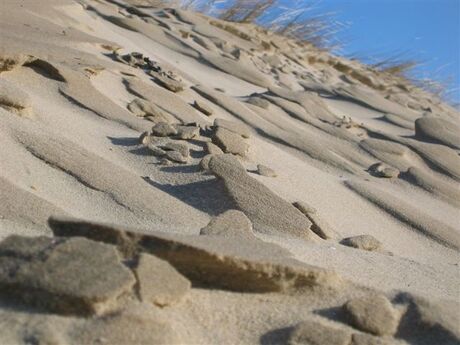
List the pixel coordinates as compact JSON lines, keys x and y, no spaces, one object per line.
{"x":425,"y":30}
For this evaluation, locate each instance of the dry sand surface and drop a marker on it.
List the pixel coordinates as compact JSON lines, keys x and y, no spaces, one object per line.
{"x":170,"y":178}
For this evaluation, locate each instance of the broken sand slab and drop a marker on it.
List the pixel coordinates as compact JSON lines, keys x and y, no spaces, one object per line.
{"x":246,"y":265}
{"x":358,"y":313}
{"x":268,"y":212}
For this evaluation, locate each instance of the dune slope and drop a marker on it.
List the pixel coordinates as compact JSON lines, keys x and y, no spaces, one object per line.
{"x":171,"y":178}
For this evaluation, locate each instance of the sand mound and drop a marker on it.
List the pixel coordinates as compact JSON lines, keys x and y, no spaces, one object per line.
{"x":267,"y":211}
{"x":438,"y":130}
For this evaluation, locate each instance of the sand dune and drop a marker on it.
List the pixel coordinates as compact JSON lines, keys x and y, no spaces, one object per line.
{"x":171,"y":178}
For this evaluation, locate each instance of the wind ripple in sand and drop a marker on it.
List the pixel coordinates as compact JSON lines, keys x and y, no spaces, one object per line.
{"x":431,"y":227}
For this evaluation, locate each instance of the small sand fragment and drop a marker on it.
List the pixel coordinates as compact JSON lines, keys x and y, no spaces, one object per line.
{"x":231,"y":223}
{"x":176,"y":157}
{"x":383,"y":170}
{"x":180,"y":147}
{"x":233,"y":127}
{"x":213,"y":149}
{"x":164,"y":129}
{"x":373,"y":314}
{"x":187,"y":132}
{"x":263,"y":170}
{"x":364,"y":242}
{"x":159,"y":282}
{"x":230,"y":142}
{"x":316,"y":332}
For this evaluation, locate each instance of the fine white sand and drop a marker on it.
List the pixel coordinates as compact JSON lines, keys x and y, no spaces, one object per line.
{"x":70,"y":147}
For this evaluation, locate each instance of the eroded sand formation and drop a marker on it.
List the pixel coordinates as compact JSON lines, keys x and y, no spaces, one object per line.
{"x":170,"y":178}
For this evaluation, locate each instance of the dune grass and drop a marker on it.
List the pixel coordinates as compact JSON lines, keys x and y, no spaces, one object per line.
{"x":302,"y":22}
{"x":408,"y":69}
{"x":298,"y":21}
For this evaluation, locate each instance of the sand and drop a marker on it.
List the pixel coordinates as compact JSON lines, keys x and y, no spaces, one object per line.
{"x":281,"y":124}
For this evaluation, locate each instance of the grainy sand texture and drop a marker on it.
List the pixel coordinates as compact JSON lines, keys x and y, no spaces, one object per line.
{"x":171,"y":178}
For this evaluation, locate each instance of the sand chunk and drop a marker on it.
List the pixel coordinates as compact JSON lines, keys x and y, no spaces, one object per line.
{"x":159,"y":282}
{"x":167,"y":81}
{"x":187,"y":132}
{"x":230,"y":142}
{"x":204,"y":163}
{"x":364,"y":242}
{"x":233,"y":127}
{"x":62,"y":275}
{"x":165,"y":162}
{"x":383,"y":170}
{"x":180,"y":147}
{"x":155,"y":150}
{"x":143,"y":108}
{"x":213,"y":149}
{"x":133,"y":59}
{"x":373,"y":314}
{"x":175,"y":107}
{"x":315,"y":332}
{"x":231,"y":223}
{"x":164,"y":129}
{"x":165,"y":147}
{"x":214,"y":261}
{"x":268,"y":212}
{"x":145,"y":138}
{"x":264,"y":170}
{"x":176,"y":156}
{"x":319,"y":225}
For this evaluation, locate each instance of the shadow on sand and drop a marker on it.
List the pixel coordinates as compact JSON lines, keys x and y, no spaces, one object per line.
{"x":208,"y":196}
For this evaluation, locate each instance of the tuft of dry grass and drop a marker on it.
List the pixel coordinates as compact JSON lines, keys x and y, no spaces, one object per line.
{"x":298,"y":21}
{"x":401,"y":66}
{"x":149,"y":3}
{"x":319,"y":30}
{"x":199,"y":6}
{"x":246,"y":11}
{"x":396,"y":64}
